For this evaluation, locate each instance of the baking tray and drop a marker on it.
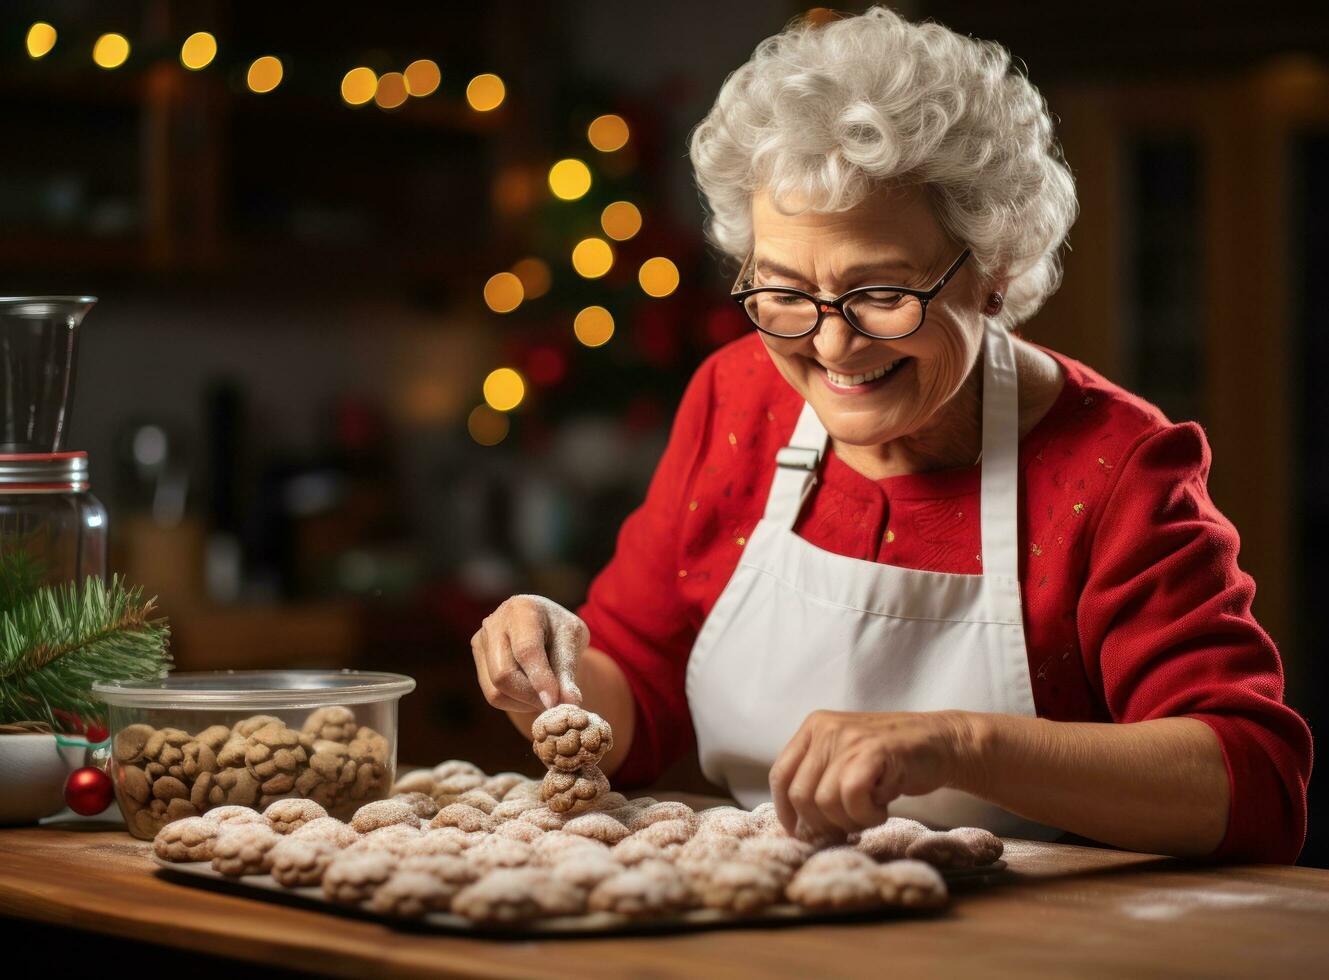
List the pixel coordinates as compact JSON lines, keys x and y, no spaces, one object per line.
{"x":264,"y":887}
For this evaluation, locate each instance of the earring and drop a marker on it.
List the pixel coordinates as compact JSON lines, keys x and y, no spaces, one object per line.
{"x":994,"y":304}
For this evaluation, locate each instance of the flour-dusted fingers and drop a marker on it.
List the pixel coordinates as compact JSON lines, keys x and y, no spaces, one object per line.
{"x":500,"y":669}
{"x":530,"y":637}
{"x":566,"y":638}
{"x":495,"y":697}
{"x":782,"y":775}
{"x":860,"y":781}
{"x":812,"y":824}
{"x":829,"y":798}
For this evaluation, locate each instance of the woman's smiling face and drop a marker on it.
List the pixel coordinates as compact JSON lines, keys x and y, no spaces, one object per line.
{"x":891,"y":238}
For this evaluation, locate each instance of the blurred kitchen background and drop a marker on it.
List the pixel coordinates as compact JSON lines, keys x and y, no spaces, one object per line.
{"x":396,"y":300}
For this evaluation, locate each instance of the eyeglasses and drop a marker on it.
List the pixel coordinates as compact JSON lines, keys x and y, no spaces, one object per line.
{"x":879,"y":312}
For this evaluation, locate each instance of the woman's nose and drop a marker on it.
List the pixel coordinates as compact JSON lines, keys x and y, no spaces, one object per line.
{"x":837,"y":342}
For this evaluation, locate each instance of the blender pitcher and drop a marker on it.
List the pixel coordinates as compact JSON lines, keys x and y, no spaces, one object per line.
{"x":37,"y":336}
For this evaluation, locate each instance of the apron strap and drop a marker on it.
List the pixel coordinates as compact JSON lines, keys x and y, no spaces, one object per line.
{"x":796,"y":470}
{"x":999,"y":498}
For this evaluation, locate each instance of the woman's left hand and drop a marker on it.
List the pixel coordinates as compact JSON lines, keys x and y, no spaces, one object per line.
{"x":842,"y":769}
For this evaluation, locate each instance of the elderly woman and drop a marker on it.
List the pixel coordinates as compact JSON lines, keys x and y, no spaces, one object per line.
{"x":897,"y":559}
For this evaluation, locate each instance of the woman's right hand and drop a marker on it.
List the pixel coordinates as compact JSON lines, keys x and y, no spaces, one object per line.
{"x":526,"y":653}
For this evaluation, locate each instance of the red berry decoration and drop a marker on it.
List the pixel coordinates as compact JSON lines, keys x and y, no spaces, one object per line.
{"x":88,"y":791}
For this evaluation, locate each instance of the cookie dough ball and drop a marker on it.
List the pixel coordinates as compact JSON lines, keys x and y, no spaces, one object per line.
{"x":641,"y":893}
{"x":237,"y":814}
{"x":409,"y":895}
{"x":573,"y":792}
{"x":334,"y":723}
{"x":911,"y":884}
{"x":663,"y":833}
{"x":890,"y":840}
{"x":656,"y":812}
{"x":383,"y":813}
{"x":464,"y":818}
{"x":568,"y":737}
{"x":243,"y":849}
{"x":189,"y":839}
{"x":288,"y":816}
{"x":558,"y":846}
{"x":504,"y":897}
{"x":354,"y":875}
{"x":499,"y":852}
{"x":517,"y":830}
{"x":298,"y":863}
{"x":479,"y":799}
{"x":327,"y":829}
{"x":422,"y":803}
{"x":420,"y":781}
{"x":597,"y":826}
{"x":737,"y":886}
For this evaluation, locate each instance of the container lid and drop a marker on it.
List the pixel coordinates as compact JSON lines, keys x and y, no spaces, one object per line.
{"x":43,"y":472}
{"x":243,"y":689}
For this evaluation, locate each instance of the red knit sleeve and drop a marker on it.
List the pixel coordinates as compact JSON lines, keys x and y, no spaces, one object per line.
{"x":633,"y":608}
{"x":1167,"y":612}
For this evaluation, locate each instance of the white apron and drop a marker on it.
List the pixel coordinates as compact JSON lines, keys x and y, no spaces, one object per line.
{"x":799,"y":629}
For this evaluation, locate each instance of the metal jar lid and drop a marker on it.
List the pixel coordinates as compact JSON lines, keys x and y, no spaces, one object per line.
{"x":43,"y":472}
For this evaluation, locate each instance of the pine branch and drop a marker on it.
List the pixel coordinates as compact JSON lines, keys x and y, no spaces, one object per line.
{"x":60,"y":639}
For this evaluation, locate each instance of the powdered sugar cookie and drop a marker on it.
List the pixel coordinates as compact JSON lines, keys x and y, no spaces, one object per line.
{"x":527,"y":790}
{"x":587,"y":870}
{"x":729,"y":821}
{"x":420,"y":781}
{"x":502,"y":897}
{"x":634,"y":850}
{"x":911,"y":884}
{"x":512,"y":809}
{"x":840,"y":889}
{"x":354,"y":875}
{"x":448,"y":788}
{"x":611,"y":801}
{"x":236,"y":814}
{"x":662,"y":833}
{"x":296,"y":863}
{"x":766,"y":819}
{"x":737,"y":886}
{"x":573,"y":792}
{"x":328,"y":829}
{"x":705,"y":851}
{"x":399,"y":839}
{"x":458,"y":767}
{"x":597,"y":826}
{"x":984,"y":845}
{"x":438,"y":842}
{"x":422,"y":803}
{"x":409,"y":895}
{"x":243,"y":849}
{"x":568,"y":737}
{"x":942,"y":849}
{"x":544,"y":818}
{"x":451,"y":871}
{"x":288,"y":816}
{"x":498,"y":852}
{"x":890,"y":840}
{"x":659,"y":812}
{"x":498,"y":784}
{"x":640,"y":893}
{"x":787,"y":852}
{"x":558,"y":846}
{"x":463,"y":817}
{"x":838,"y":859}
{"x":383,"y":813}
{"x":477,"y":798}
{"x":464,"y":839}
{"x":189,"y":839}
{"x":518,"y":830}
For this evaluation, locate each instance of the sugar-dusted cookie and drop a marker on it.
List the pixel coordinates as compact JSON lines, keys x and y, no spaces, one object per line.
{"x":658,"y":812}
{"x":243,"y":849}
{"x":544,"y":818}
{"x":448,"y":788}
{"x":890,"y":840}
{"x":328,"y":829}
{"x":477,"y":798}
{"x":288,"y":816}
{"x":611,"y":801}
{"x":299,"y":862}
{"x":422,"y":803}
{"x":911,"y":884}
{"x":419,"y":781}
{"x":587,"y":871}
{"x":597,"y":826}
{"x":768,"y":851}
{"x":662,"y":833}
{"x":354,"y":875}
{"x":517,"y":830}
{"x":458,"y":767}
{"x":574,"y":792}
{"x":737,"y":886}
{"x":703,"y":852}
{"x":767,"y":820}
{"x":568,"y":737}
{"x":236,"y":814}
{"x":400,"y":839}
{"x":409,"y":895}
{"x":499,"y":852}
{"x":946,"y":849}
{"x":464,"y":840}
{"x":729,"y":821}
{"x":463,"y":817}
{"x":189,"y":839}
{"x":526,"y":790}
{"x":383,"y":813}
{"x":984,"y":845}
{"x":641,"y":893}
{"x":635,"y":850}
{"x":498,"y":784}
{"x":511,"y":809}
{"x":557,"y":846}
{"x":502,"y":897}
{"x":835,"y":887}
{"x":451,"y":871}
{"x":838,"y":859}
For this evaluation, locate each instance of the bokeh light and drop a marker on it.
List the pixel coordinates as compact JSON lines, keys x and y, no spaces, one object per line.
{"x":607,"y":133}
{"x":534,"y":275}
{"x":569,"y":179}
{"x":658,"y":276}
{"x":110,"y":51}
{"x":422,"y":78}
{"x":485,"y":92}
{"x":391,"y":91}
{"x":504,"y":292}
{"x":593,"y":326}
{"x":198,"y":50}
{"x":41,"y":39}
{"x":592,"y":258}
{"x":546,"y":365}
{"x":265,"y":74}
{"x":358,"y":86}
{"x":486,"y":426}
{"x":504,"y":389}
{"x":621,"y":220}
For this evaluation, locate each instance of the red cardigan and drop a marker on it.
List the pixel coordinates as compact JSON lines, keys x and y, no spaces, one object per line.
{"x":1134,"y":605}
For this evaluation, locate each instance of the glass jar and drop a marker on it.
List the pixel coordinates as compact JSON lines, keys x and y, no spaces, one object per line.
{"x":52,"y":529}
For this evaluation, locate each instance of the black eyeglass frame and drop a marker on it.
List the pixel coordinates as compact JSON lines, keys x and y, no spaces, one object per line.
{"x":824,"y":306}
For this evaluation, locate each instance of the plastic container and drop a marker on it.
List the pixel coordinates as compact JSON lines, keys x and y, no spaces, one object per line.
{"x":189,"y":742}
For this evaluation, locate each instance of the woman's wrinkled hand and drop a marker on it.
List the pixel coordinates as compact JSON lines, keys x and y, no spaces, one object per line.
{"x":526,"y":653}
{"x":841,"y":770}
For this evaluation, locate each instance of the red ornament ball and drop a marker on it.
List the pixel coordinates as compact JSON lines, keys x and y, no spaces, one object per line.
{"x":88,"y":791}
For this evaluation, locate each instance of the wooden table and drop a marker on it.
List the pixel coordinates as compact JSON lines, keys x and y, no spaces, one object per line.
{"x":1058,"y":910}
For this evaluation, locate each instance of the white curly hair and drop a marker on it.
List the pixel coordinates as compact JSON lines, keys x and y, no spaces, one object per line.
{"x":824,"y":114}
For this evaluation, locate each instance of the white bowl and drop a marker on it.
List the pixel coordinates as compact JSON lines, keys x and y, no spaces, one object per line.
{"x":32,"y":778}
